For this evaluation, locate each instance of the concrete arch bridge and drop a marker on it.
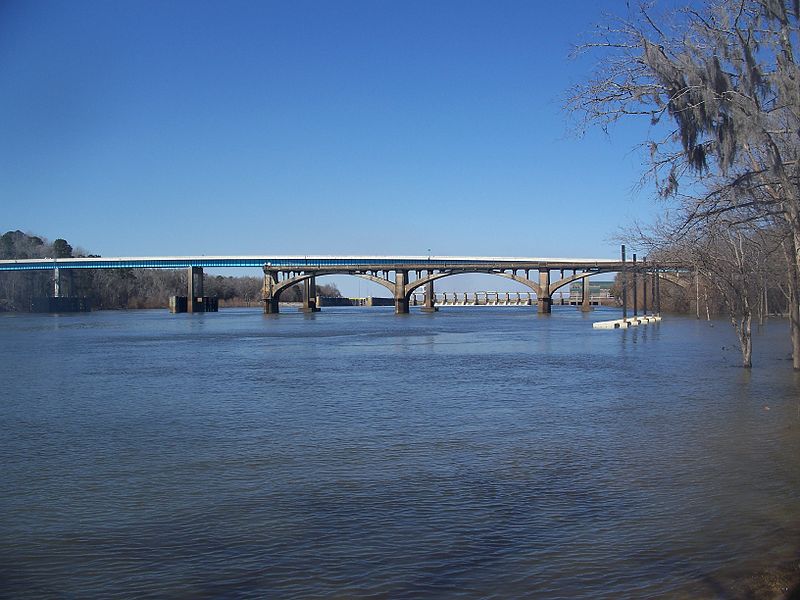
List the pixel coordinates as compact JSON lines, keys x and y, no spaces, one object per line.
{"x":400,"y":275}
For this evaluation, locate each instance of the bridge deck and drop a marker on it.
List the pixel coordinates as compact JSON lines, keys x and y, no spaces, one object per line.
{"x":320,"y":263}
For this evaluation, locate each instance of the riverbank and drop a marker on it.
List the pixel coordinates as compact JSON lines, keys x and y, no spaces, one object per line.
{"x":781,"y":582}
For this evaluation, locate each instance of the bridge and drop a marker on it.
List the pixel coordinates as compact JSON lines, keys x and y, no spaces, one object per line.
{"x":401,"y":275}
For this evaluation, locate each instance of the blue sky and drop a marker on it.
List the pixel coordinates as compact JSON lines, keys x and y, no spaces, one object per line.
{"x":353,"y":127}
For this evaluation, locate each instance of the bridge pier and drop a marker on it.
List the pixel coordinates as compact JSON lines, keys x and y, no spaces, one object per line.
{"x":635,"y":288}
{"x":400,"y":296}
{"x":429,"y":299}
{"x":586,"y":304}
{"x":657,"y":292}
{"x":544,"y":300}
{"x":194,"y":291}
{"x":268,"y":296}
{"x":644,"y":286}
{"x":309,"y":296}
{"x":56,"y":283}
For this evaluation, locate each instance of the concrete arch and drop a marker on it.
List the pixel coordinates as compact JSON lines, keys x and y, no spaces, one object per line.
{"x":402,"y":289}
{"x":411,"y":286}
{"x":523,"y":280}
{"x":388,"y":284}
{"x":278,"y":287}
{"x":557,"y":285}
{"x":284,"y":285}
{"x":273,"y":289}
{"x":671,"y":277}
{"x":676,"y":279}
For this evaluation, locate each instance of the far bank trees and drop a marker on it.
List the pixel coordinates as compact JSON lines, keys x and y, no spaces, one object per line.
{"x":117,"y":288}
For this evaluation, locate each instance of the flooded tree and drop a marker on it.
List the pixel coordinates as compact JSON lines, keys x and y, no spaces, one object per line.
{"x":732,"y":260}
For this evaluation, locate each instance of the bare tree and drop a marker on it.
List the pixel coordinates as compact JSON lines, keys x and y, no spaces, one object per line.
{"x":720,"y":86}
{"x":731,"y":259}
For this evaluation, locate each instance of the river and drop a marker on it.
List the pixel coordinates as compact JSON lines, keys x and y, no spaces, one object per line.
{"x":472,"y":453}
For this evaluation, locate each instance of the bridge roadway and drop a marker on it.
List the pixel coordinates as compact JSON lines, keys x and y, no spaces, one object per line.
{"x":401,"y":275}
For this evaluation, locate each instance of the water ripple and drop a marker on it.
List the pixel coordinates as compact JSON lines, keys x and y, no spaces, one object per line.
{"x":355,"y":455}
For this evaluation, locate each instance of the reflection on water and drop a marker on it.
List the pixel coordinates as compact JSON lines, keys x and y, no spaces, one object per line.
{"x":470,"y":453}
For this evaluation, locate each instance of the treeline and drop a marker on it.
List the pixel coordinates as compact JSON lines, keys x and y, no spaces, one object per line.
{"x":117,"y":288}
{"x":717,"y":83}
{"x":694,"y":292}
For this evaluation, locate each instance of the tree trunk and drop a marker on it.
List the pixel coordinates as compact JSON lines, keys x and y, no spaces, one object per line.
{"x":794,"y":324}
{"x":744,"y":333}
{"x":793,"y":301}
{"x":793,"y":307}
{"x":747,"y":343}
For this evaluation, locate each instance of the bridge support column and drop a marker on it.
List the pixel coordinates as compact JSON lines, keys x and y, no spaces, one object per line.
{"x":268,"y":292}
{"x":644,"y":286}
{"x":56,"y":283}
{"x":194,"y":280}
{"x":586,"y":304}
{"x":657,"y":292}
{"x":429,"y":299}
{"x":309,"y":296}
{"x":400,"y":297}
{"x":624,"y":277}
{"x":635,"y":289}
{"x":544,"y":300}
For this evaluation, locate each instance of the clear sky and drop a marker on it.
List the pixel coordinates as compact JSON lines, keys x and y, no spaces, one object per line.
{"x":144,"y":127}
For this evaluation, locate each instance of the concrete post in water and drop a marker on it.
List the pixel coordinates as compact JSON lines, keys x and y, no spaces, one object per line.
{"x":635,"y":291}
{"x":429,"y":298}
{"x":400,"y":297}
{"x":268,"y":291}
{"x":644,"y":286}
{"x":624,"y":287}
{"x":653,"y":286}
{"x":586,"y":302}
{"x":309,"y":295}
{"x":697,"y":292}
{"x":56,"y":283}
{"x":194,"y":280}
{"x":658,"y":293}
{"x":544,"y":300}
